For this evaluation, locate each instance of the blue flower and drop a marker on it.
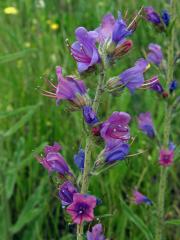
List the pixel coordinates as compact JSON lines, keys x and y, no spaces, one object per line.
{"x":89,"y":115}
{"x":79,"y":159}
{"x":165,"y":17}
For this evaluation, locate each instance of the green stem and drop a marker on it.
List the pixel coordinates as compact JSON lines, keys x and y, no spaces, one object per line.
{"x":167,"y":129}
{"x":89,"y":148}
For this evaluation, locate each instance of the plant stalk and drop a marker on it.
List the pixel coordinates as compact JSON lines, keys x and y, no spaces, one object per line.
{"x":167,"y":128}
{"x":89,"y":147}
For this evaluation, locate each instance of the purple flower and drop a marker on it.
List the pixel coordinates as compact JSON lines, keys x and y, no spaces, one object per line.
{"x":172,"y":146}
{"x":156,"y":85}
{"x":166,"y":157}
{"x":133,"y":78}
{"x":116,"y":129}
{"x":54,"y":161}
{"x":139,"y":198}
{"x":165,"y":17}
{"x":120,"y":30}
{"x":146,"y":125}
{"x":55,"y":148}
{"x":82,"y":208}
{"x":89,"y":115}
{"x":151,"y":15}
{"x":79,"y":159}
{"x":66,"y":192}
{"x":96,"y":233}
{"x":155,"y":54}
{"x":84,"y":49}
{"x":111,"y":29}
{"x":116,"y":153}
{"x":70,"y":89}
{"x":172,"y":86}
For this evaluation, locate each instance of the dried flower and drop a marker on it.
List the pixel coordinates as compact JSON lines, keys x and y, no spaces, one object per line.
{"x":82,"y":208}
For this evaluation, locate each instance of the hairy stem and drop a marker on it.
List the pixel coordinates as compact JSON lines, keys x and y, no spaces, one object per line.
{"x":167,"y":128}
{"x":89,"y":148}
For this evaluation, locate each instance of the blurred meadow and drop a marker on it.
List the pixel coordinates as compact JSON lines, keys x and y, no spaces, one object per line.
{"x":32,"y":44}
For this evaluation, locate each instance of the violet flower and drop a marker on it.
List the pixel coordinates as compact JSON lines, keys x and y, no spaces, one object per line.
{"x":55,"y":148}
{"x":89,"y":115}
{"x":82,"y":208}
{"x":112,"y":34}
{"x":139,"y":198}
{"x":156,"y":85}
{"x":71,"y":89}
{"x":66,"y":192}
{"x":115,"y":129}
{"x":79,"y":159}
{"x":54,"y":161}
{"x":115,"y":153}
{"x":146,"y":125}
{"x":155,"y":54}
{"x":152,"y":16}
{"x":133,"y":78}
{"x":84,"y":49}
{"x":166,"y":157}
{"x":96,"y":233}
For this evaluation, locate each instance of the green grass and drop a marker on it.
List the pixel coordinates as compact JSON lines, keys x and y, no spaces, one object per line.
{"x":30,"y":208}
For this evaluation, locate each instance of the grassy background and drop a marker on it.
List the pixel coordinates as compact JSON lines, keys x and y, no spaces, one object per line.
{"x":29,"y":52}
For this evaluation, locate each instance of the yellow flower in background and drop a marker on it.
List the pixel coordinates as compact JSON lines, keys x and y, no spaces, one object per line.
{"x":27,"y":44}
{"x":10,"y":10}
{"x":54,"y":26}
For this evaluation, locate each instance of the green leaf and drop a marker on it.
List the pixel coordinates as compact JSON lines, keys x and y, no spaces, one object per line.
{"x":14,"y":56}
{"x":31,"y":210}
{"x":22,"y":121}
{"x":15,"y":111}
{"x":173,"y":222}
{"x":137,"y":221}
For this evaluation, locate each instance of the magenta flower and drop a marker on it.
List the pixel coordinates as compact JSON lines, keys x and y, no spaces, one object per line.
{"x":96,"y":233}
{"x":84,"y":49}
{"x":55,"y":148}
{"x":155,"y":54}
{"x":71,"y":89}
{"x":139,"y":198}
{"x":89,"y":115}
{"x":115,"y":153}
{"x":116,"y":129}
{"x":54,"y":161}
{"x":66,"y":192}
{"x":166,"y":157}
{"x":82,"y":208}
{"x":146,"y":125}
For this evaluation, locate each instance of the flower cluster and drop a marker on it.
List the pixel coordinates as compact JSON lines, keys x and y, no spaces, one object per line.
{"x":96,"y":50}
{"x":161,"y":21}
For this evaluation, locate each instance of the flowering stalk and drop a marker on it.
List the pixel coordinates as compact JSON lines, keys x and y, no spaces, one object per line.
{"x":167,"y":128}
{"x":89,"y":147}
